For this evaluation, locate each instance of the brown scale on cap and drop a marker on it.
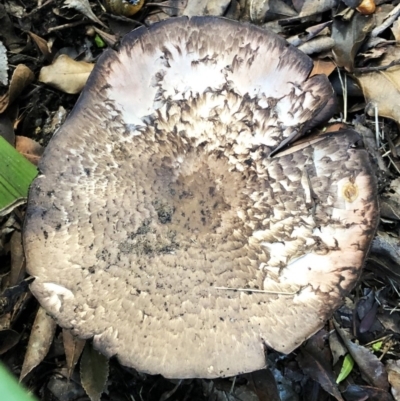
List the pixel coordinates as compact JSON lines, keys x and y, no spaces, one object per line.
{"x":159,"y":190}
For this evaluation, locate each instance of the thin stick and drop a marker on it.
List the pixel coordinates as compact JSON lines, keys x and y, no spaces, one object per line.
{"x":377,"y":68}
{"x":344,"y":91}
{"x":394,"y":164}
{"x":376,"y":126}
{"x":259,"y":291}
{"x":69,"y":25}
{"x":345,"y":97}
{"x":164,"y":5}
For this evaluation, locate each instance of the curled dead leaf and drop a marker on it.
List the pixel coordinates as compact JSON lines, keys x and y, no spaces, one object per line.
{"x":348,"y":37}
{"x":94,"y":369}
{"x":66,"y":74}
{"x":393,"y":369}
{"x":41,"y":337}
{"x":29,"y":148}
{"x":21,"y":77}
{"x":382,"y":88}
{"x":73,"y":347}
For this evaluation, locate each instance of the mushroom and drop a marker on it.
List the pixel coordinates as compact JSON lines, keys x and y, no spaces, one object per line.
{"x":173,"y":223}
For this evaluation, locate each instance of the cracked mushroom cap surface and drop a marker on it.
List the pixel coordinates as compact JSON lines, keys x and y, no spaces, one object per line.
{"x":159,"y":195}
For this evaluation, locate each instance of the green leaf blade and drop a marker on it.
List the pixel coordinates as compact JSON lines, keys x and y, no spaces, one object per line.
{"x":16,"y":175}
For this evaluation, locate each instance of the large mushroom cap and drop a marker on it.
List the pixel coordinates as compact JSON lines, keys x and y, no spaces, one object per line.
{"x":158,"y":191}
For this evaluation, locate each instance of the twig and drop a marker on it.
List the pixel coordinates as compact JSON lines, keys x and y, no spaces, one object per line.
{"x":344,"y":90}
{"x":69,"y":25}
{"x":394,"y":164}
{"x":377,"y":68}
{"x":376,"y":126}
{"x":259,"y":291}
{"x":38,"y":8}
{"x":164,"y":5}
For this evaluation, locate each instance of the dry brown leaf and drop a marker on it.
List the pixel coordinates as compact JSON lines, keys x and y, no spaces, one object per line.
{"x":41,"y":337}
{"x":258,"y":9}
{"x":338,"y":350}
{"x":29,"y":148}
{"x":17,"y":271}
{"x":264,"y":385}
{"x":348,"y":37}
{"x":73,"y":347}
{"x":83,"y":7}
{"x":323,"y":67}
{"x":313,"y":363}
{"x":396,"y":30}
{"x":355,"y":392}
{"x":311,"y":7}
{"x":66,"y":74}
{"x":383,"y":87}
{"x":21,"y":77}
{"x":94,"y":372}
{"x":8,"y":339}
{"x":42,"y":45}
{"x":206,"y":7}
{"x":393,"y":369}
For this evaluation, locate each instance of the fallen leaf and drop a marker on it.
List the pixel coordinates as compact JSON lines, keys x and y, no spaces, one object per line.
{"x":66,"y":74}
{"x":17,"y":271}
{"x":387,"y":20}
{"x":383,"y":87}
{"x":264,"y":385}
{"x":29,"y":148}
{"x":94,"y":372}
{"x":83,"y":7}
{"x":385,"y":255}
{"x":12,"y":296}
{"x":316,"y":366}
{"x":396,"y":30}
{"x":348,"y":37}
{"x":21,"y":77}
{"x":371,"y":367}
{"x":393,"y":369}
{"x":364,"y":393}
{"x":258,"y":10}
{"x":73,"y":347}
{"x":311,"y":7}
{"x":8,"y":338}
{"x":369,"y":319}
{"x":323,"y":67}
{"x":42,"y":45}
{"x":11,"y":40}
{"x":41,"y":337}
{"x":206,"y":7}
{"x":337,"y":348}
